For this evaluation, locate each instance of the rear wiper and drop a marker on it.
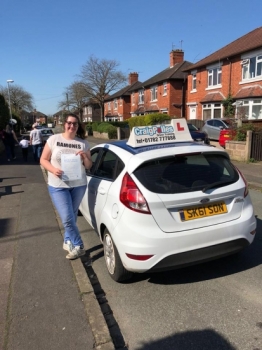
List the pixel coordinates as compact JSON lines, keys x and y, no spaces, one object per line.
{"x":217,"y":184}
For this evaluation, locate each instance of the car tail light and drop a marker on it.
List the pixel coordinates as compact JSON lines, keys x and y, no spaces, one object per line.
{"x":245,"y":181}
{"x":139,"y":257}
{"x":131,"y":196}
{"x":225,"y":133}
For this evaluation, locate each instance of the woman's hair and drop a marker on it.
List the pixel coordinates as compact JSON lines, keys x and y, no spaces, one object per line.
{"x":80,"y":131}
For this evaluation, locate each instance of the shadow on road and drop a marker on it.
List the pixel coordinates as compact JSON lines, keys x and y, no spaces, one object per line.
{"x":193,"y":340}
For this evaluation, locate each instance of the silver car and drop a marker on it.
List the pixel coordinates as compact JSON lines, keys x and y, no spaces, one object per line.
{"x":46,"y":133}
{"x":212,"y":127}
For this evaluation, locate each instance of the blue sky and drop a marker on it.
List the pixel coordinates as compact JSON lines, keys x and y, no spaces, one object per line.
{"x":45,"y":43}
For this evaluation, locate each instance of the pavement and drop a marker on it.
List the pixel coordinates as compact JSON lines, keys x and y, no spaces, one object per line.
{"x":47,"y":301}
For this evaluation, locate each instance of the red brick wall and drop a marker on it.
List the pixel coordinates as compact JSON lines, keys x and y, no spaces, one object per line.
{"x":171,"y":101}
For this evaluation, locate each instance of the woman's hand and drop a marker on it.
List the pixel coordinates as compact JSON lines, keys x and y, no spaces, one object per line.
{"x":83,"y":155}
{"x":57,"y":172}
{"x":86,"y":158}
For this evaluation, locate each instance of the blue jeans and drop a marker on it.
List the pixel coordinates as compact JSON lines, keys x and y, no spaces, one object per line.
{"x":37,"y":150}
{"x":66,"y":202}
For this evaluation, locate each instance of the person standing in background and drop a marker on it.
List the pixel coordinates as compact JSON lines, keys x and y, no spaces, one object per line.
{"x":9,"y":139}
{"x":24,"y":143}
{"x":36,"y":140}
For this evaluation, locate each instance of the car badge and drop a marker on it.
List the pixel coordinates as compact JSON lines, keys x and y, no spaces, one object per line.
{"x":205,"y":200}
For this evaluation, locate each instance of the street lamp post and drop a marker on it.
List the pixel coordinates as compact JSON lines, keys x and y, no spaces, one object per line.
{"x":8,"y":82}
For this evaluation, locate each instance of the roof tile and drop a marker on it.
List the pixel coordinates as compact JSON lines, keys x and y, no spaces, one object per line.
{"x":249,"y":91}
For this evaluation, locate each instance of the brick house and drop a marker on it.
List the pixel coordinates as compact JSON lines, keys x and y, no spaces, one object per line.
{"x":234,"y":70}
{"x":117,"y":106}
{"x":58,"y":117}
{"x":91,"y":112}
{"x":165,"y":92}
{"x":29,"y":118}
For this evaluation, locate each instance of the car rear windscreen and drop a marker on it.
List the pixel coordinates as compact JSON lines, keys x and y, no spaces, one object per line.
{"x":186,"y":173}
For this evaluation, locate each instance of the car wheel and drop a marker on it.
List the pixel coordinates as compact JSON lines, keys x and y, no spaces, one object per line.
{"x":113,"y":262}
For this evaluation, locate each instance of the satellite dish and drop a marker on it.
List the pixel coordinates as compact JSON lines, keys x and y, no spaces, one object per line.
{"x":12,"y":121}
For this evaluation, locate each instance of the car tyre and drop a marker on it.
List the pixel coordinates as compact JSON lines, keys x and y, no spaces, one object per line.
{"x":114,"y":264}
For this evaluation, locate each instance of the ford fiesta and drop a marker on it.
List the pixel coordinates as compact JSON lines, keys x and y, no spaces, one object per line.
{"x":160,"y":201}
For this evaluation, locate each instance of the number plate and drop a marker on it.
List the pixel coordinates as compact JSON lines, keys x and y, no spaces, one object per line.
{"x":203,"y":211}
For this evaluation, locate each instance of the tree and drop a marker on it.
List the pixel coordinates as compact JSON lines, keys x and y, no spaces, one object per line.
{"x":19,"y":98}
{"x":100,"y":77}
{"x":75,"y":97}
{"x":229,"y":109}
{"x":4,"y":112}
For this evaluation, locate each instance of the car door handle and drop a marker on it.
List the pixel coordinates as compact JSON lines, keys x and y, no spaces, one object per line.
{"x":101,"y":190}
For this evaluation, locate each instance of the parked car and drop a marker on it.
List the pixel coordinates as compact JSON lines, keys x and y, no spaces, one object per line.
{"x":197,"y":135}
{"x":46,"y":133}
{"x":226,"y":135}
{"x":160,"y":201}
{"x":212,"y":127}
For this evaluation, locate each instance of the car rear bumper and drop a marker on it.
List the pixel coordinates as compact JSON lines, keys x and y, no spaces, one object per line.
{"x":200,"y":255}
{"x":178,"y":249}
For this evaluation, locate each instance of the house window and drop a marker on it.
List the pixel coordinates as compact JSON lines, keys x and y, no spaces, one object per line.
{"x":212,"y":110}
{"x":250,"y":109}
{"x":153,"y":91}
{"x":252,"y":67}
{"x":133,"y":98}
{"x":214,"y":76}
{"x":121,"y":101}
{"x":141,"y":96}
{"x":165,"y":88}
{"x":194,"y":81}
{"x":109,"y":106}
{"x":89,"y":110}
{"x":115,"y":103}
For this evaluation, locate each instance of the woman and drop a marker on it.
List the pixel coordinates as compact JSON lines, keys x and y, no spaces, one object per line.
{"x":66,"y":185}
{"x":9,"y":138}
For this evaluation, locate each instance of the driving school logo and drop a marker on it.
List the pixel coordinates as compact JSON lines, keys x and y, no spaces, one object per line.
{"x":154,"y":130}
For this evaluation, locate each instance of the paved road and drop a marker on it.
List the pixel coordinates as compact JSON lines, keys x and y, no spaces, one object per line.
{"x":217,"y":305}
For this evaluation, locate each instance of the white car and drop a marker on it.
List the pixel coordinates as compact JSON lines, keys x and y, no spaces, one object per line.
{"x":160,"y":201}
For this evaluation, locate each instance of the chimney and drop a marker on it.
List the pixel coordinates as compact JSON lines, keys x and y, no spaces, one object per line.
{"x":176,"y":56}
{"x":132,"y":78}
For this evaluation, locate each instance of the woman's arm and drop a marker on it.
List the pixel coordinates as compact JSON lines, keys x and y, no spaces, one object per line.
{"x":14,"y":135}
{"x":45,"y":161}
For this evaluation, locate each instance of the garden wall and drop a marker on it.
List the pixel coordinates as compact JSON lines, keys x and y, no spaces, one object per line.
{"x":240,"y":150}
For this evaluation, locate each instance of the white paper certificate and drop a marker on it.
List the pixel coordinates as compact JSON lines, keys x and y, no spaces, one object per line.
{"x":71,"y":166}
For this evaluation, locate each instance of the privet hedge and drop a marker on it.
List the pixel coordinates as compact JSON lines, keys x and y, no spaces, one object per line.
{"x":148,"y":119}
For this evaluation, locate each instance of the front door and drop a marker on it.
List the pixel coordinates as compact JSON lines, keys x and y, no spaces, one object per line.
{"x":192,"y":112}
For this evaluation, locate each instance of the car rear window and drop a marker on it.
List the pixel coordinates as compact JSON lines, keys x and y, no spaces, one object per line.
{"x":186,"y":173}
{"x":47,"y":132}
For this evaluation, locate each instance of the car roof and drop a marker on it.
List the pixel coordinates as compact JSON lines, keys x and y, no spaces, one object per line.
{"x":47,"y":129}
{"x":149,"y":152}
{"x":123,"y":145}
{"x":222,"y":119}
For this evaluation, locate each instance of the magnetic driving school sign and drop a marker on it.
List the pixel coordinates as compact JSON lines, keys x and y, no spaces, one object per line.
{"x":176,"y":131}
